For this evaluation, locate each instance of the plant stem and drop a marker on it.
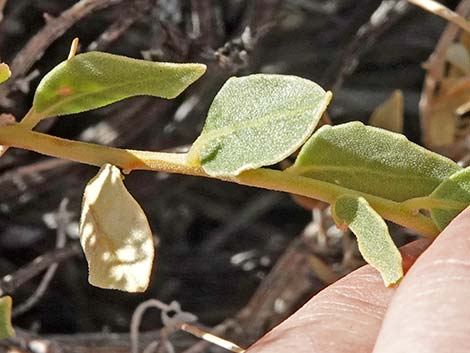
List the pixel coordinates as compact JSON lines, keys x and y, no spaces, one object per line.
{"x":31,"y":119}
{"x":430,"y":202}
{"x":282,"y":181}
{"x":92,"y":154}
{"x":128,"y":160}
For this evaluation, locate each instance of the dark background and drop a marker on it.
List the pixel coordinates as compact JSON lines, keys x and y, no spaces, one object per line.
{"x":216,"y":241}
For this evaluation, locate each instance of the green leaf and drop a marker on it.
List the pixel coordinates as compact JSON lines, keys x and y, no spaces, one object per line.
{"x":456,"y":189}
{"x":92,"y":80}
{"x":256,"y":121}
{"x":6,"y":329}
{"x":115,"y":234}
{"x":373,"y":238}
{"x":5,"y":72}
{"x":373,"y":161}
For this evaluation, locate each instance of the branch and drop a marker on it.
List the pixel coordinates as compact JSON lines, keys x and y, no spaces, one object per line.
{"x":129,"y":160}
{"x":442,"y":11}
{"x":3,"y":3}
{"x":289,"y":281}
{"x":62,"y":220}
{"x":11,"y":282}
{"x":435,"y":67}
{"x":388,"y":13}
{"x":131,"y":14}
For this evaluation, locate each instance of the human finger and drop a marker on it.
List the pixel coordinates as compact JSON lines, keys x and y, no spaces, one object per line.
{"x":430,"y":311}
{"x":345,"y":317}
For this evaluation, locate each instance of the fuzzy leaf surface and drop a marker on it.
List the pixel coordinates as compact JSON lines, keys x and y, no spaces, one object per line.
{"x":5,"y":72}
{"x":6,"y":329}
{"x":373,"y":161}
{"x":258,"y":120}
{"x":115,"y":234}
{"x":373,"y":238}
{"x":93,"y":80}
{"x":456,"y":188}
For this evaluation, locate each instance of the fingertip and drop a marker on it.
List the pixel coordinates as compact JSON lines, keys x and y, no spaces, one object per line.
{"x":430,"y":311}
{"x":343,"y":318}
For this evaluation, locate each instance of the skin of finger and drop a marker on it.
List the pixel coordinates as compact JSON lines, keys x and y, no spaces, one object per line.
{"x":430,"y":311}
{"x":345,"y":317}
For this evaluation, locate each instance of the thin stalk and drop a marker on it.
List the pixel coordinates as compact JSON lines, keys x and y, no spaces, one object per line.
{"x":282,"y":181}
{"x":92,"y":154}
{"x":430,"y":202}
{"x":128,"y":160}
{"x":31,"y":119}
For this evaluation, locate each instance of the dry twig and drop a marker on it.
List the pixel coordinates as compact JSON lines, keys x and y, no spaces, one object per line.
{"x":387,"y":14}
{"x":136,"y":10}
{"x":435,"y":67}
{"x":62,"y":221}
{"x":442,"y":11}
{"x":3,"y":3}
{"x":288,"y":282}
{"x":11,"y":282}
{"x":53,"y":29}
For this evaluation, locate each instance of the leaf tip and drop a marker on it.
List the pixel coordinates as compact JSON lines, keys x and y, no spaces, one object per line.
{"x":392,"y":281}
{"x":374,"y":241}
{"x":200,"y":69}
{"x":328,"y":97}
{"x":196,"y":70}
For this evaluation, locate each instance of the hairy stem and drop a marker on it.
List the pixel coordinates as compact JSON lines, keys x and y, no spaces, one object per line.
{"x":429,"y":202}
{"x":128,"y":160}
{"x":92,"y":154}
{"x":281,"y":181}
{"x":31,"y":119}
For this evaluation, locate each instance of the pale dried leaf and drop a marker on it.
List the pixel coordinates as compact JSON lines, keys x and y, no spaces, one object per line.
{"x":458,"y":56}
{"x":443,"y":116}
{"x":465,"y":40}
{"x":390,"y":114}
{"x":115,"y":234}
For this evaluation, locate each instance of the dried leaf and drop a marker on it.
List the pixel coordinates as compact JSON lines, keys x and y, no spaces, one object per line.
{"x":458,"y":56}
{"x":446,"y":93}
{"x":443,"y":118}
{"x":390,"y":114}
{"x":115,"y":234}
